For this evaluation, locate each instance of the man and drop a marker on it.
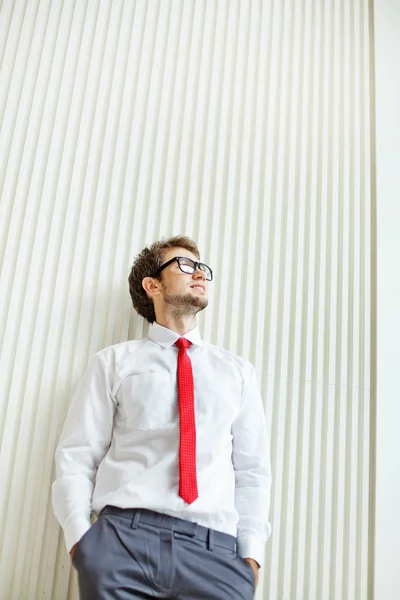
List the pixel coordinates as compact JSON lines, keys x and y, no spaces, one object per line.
{"x":166,"y":441}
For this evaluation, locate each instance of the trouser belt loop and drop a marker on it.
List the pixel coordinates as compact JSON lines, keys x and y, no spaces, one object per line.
{"x":135,"y":519}
{"x":210,"y":539}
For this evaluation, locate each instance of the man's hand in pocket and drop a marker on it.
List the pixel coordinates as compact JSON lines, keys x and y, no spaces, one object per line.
{"x":72,"y":551}
{"x":255,"y":566}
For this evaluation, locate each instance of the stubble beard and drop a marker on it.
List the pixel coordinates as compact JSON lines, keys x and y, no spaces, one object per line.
{"x":184,"y":305}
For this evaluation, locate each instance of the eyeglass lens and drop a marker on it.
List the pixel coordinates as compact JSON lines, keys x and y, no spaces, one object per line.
{"x":188,"y":266}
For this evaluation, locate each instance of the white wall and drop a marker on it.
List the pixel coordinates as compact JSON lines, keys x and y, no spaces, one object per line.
{"x":247,"y":126}
{"x":387,"y":521}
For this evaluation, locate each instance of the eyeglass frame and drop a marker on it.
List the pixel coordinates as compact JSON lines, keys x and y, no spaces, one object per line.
{"x":176,"y":259}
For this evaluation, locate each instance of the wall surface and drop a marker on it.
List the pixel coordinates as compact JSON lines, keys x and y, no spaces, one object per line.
{"x":387,"y":521}
{"x":247,"y":126}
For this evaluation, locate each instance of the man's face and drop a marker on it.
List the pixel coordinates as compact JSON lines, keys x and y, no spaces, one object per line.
{"x":184,"y":293}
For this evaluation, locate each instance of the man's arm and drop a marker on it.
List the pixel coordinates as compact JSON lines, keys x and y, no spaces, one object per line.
{"x":251,"y":462}
{"x":84,"y":441}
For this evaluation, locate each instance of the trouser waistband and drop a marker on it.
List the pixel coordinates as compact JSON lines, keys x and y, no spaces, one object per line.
{"x":150,"y":517}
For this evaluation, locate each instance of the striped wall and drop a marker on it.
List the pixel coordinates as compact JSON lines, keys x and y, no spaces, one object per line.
{"x":246,"y":125}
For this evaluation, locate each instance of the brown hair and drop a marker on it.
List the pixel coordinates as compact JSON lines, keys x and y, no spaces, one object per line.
{"x":147,"y":262}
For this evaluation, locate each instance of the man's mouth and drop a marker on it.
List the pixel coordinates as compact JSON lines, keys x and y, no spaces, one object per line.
{"x":200,"y":287}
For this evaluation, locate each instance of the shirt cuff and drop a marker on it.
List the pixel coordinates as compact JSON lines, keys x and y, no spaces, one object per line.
{"x":251,"y":546}
{"x":74,"y":529}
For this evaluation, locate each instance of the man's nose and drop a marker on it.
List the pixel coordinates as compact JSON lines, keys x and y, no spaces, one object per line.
{"x":199,"y":272}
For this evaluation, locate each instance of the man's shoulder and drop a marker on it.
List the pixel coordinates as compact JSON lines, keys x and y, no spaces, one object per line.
{"x":228,"y":357}
{"x":121,"y":350}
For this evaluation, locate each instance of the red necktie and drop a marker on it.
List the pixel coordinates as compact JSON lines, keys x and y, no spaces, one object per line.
{"x":187,"y":448}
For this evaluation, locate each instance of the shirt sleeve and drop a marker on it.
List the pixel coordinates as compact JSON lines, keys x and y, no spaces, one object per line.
{"x":251,"y":463}
{"x":84,"y":441}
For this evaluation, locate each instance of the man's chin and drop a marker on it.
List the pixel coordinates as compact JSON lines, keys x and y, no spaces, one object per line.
{"x":201,"y":304}
{"x":187,"y":304}
{"x":190,"y":301}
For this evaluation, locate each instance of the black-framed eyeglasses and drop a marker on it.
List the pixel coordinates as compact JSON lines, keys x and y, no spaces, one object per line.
{"x":186,"y":265}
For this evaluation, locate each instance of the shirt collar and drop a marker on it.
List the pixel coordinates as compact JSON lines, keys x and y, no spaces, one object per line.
{"x":166,"y":337}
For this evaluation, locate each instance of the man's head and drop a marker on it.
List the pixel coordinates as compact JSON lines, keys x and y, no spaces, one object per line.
{"x":157,"y":287}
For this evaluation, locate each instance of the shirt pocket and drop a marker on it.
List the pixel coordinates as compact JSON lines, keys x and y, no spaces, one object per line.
{"x":147,"y":401}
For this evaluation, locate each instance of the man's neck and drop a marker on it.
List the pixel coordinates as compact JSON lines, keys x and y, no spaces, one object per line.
{"x":180,"y":325}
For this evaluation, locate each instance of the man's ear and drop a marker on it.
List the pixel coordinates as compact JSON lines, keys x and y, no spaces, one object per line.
{"x":151,"y":286}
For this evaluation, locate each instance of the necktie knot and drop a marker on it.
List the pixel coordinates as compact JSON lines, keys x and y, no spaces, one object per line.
{"x":183,"y":343}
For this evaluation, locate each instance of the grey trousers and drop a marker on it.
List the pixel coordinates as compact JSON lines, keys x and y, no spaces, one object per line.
{"x":137,"y":553}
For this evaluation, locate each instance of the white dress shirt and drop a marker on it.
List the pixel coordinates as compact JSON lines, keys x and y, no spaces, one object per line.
{"x":120,"y":441}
